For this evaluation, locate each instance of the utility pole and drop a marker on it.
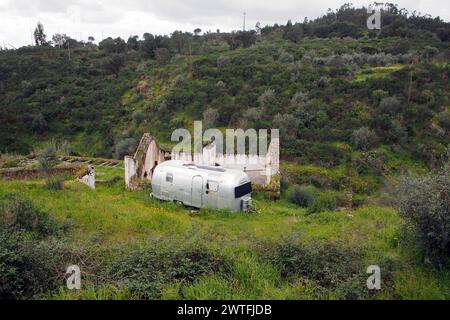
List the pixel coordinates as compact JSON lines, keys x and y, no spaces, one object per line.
{"x":31,"y":32}
{"x":245,"y":14}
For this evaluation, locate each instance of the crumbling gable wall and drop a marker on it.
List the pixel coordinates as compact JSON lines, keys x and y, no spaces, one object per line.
{"x":140,"y":167}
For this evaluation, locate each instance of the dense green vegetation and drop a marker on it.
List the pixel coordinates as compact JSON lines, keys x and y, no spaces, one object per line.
{"x":357,"y":109}
{"x":130,"y":246}
{"x":323,"y":86}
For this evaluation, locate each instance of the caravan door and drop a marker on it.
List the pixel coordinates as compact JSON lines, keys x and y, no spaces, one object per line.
{"x":197,"y":191}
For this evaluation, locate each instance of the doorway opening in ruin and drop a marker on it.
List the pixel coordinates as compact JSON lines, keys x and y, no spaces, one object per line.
{"x":154,"y":167}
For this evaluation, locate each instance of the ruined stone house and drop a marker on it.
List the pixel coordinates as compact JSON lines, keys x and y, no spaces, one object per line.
{"x":263,"y":170}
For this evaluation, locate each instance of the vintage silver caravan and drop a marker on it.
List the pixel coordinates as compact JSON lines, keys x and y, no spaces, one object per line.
{"x":202,"y":186}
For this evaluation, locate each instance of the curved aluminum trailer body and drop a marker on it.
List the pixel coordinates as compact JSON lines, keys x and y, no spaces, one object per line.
{"x":202,"y":186}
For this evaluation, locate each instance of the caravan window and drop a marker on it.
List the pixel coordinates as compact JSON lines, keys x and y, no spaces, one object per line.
{"x":212,"y":186}
{"x":243,"y":190}
{"x":169,"y":177}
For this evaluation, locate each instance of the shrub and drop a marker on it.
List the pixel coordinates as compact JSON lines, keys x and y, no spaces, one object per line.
{"x":54,"y":182}
{"x":285,"y":57}
{"x":284,"y":185}
{"x":20,"y":214}
{"x":210,"y":117}
{"x":253,"y":114}
{"x":180,"y":80}
{"x":363,"y":139}
{"x":379,"y":94}
{"x":444,"y":119}
{"x":324,"y":202}
{"x":64,"y":148}
{"x":397,"y":132}
{"x":370,"y":162}
{"x":301,"y":196}
{"x":425,"y":202}
{"x":124,"y":147}
{"x":390,"y":105}
{"x":138,"y":117}
{"x":223,"y":61}
{"x":430,"y":51}
{"x":47,"y":160}
{"x":288,"y":125}
{"x":358,"y":200}
{"x":114,"y":64}
{"x":267,"y":99}
{"x":329,"y":265}
{"x":324,"y":82}
{"x":38,"y":123}
{"x":28,"y":268}
{"x":46,"y":156}
{"x":299,"y":99}
{"x":162,"y":55}
{"x":144,"y":271}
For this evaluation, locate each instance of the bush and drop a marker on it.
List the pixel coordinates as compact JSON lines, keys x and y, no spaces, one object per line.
{"x":29,"y":268}
{"x":301,"y":196}
{"x":138,"y":117}
{"x":46,"y":156}
{"x":390,"y":105}
{"x":330,"y":265}
{"x":20,"y":214}
{"x":370,"y":162}
{"x":125,"y":147}
{"x":324,"y":202}
{"x":223,"y":61}
{"x":47,"y":159}
{"x":210,"y":117}
{"x":288,"y":125}
{"x":162,"y":55}
{"x":444,"y":120}
{"x":286,"y":57}
{"x":379,"y":94}
{"x":425,"y":201}
{"x":299,"y":99}
{"x":38,"y":123}
{"x":397,"y":132}
{"x":363,"y":139}
{"x":54,"y":182}
{"x":267,"y":99}
{"x":145,"y":271}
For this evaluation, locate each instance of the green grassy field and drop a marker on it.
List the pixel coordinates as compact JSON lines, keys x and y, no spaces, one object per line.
{"x":112,"y":217}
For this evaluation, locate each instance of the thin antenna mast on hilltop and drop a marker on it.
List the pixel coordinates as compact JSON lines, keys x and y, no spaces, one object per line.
{"x":245,"y":14}
{"x":31,"y":33}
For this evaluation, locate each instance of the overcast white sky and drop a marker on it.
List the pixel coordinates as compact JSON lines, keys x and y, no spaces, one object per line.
{"x":103,"y":18}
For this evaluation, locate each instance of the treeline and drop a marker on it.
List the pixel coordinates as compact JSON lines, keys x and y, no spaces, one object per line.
{"x":347,"y":21}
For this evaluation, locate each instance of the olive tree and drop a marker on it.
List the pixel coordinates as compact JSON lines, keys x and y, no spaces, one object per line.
{"x":363,"y":139}
{"x":424,"y":201}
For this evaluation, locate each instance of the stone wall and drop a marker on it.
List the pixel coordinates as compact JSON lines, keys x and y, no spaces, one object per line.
{"x":34,"y":173}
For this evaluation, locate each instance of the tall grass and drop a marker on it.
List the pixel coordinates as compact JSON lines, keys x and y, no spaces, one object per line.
{"x":111,"y":217}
